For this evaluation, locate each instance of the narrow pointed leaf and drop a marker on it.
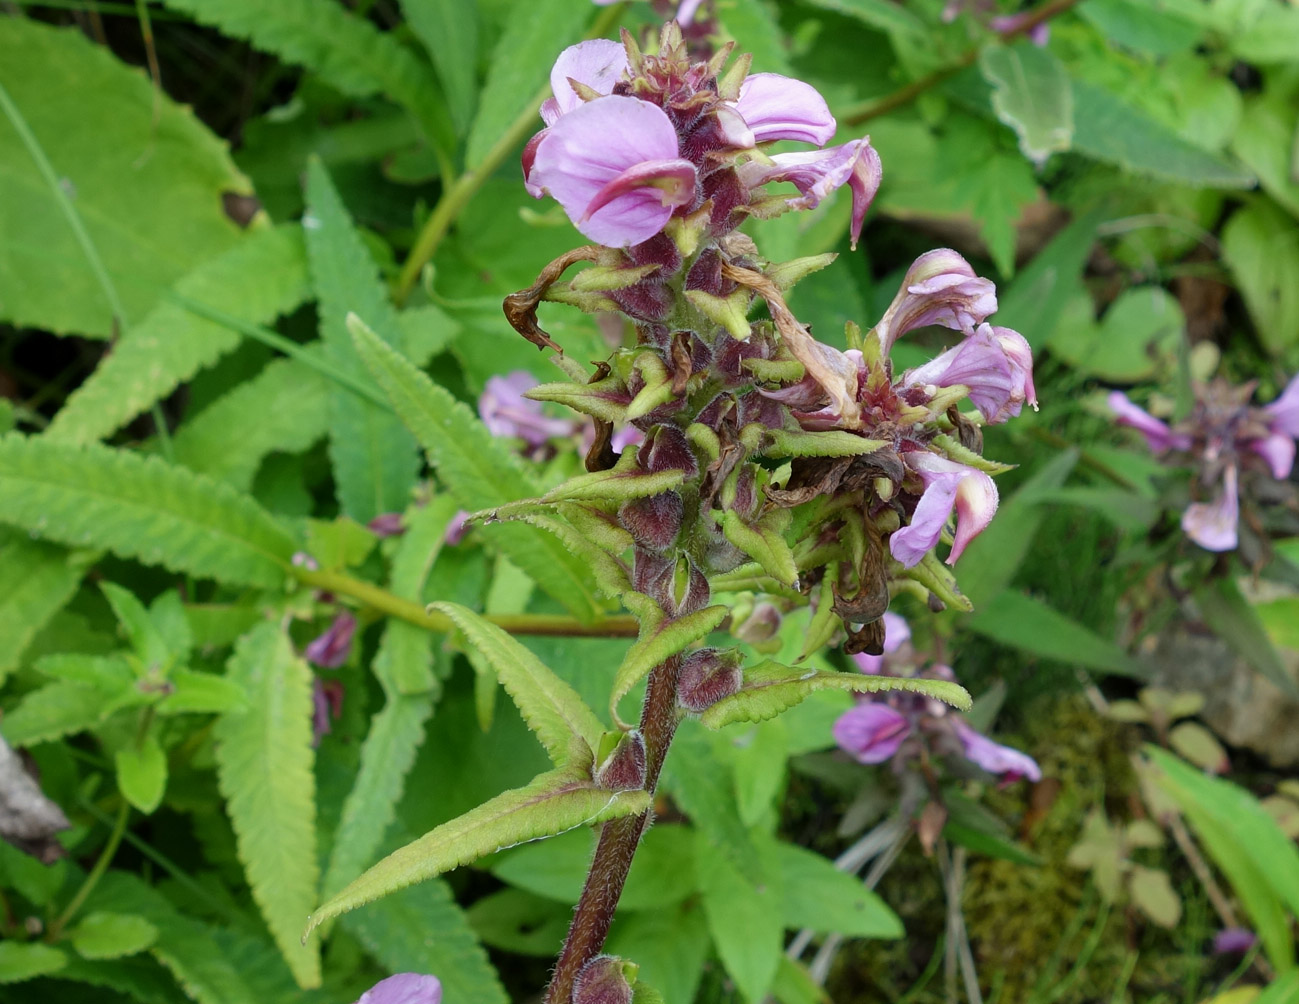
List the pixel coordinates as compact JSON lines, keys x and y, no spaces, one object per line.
{"x":764,"y":545}
{"x":659,"y":640}
{"x":770,"y":688}
{"x":140,"y":507}
{"x":551,"y":708}
{"x":264,"y":768}
{"x":614,"y":486}
{"x":554,"y":802}
{"x":832,"y":443}
{"x":477,"y":469}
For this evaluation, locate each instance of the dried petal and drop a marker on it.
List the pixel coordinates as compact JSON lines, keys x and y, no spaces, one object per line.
{"x":897,"y":632}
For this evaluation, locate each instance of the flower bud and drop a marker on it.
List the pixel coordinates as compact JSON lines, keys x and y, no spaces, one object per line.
{"x":624,"y":768}
{"x":707,"y":676}
{"x":761,"y":625}
{"x":653,"y":522}
{"x":606,"y":979}
{"x":669,"y":450}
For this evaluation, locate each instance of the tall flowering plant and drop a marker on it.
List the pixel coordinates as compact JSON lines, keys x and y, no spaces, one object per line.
{"x":752,"y":456}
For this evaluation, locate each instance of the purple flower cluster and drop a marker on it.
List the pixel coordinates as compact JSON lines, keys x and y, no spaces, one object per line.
{"x":1224,"y":438}
{"x":901,"y":726}
{"x":635,"y":141}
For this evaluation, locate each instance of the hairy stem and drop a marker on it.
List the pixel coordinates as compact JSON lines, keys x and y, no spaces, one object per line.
{"x":458,"y":193}
{"x":867,"y":110}
{"x":618,"y":841}
{"x":377,"y":598}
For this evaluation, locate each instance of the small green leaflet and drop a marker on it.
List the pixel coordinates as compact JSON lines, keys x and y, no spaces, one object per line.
{"x":770,"y":688}
{"x":660,"y":639}
{"x":21,"y":961}
{"x":551,"y":708}
{"x":554,"y":802}
{"x":264,"y":767}
{"x":1032,"y":94}
{"x":102,"y":935}
{"x":142,"y":774}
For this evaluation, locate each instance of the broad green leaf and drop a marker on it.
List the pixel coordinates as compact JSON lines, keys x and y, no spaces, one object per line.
{"x":395,"y":735}
{"x":1026,"y":623}
{"x":658,"y":640}
{"x":284,"y":409}
{"x":375,"y":459}
{"x":55,"y":710}
{"x":821,"y":897}
{"x":994,"y":187}
{"x":1233,"y":620}
{"x":20,"y":961}
{"x":770,"y":688}
{"x":140,"y":507}
{"x":882,"y":14}
{"x":1264,"y":140}
{"x":424,"y":930}
{"x":142,"y":774}
{"x":550,"y":707}
{"x":759,"y":764}
{"x":554,"y":802}
{"x":264,"y":767}
{"x":145,"y":176}
{"x":518,"y":922}
{"x":1261,"y":246}
{"x":1032,"y":94}
{"x":794,"y":985}
{"x":102,"y":935}
{"x":744,"y":918}
{"x":1109,"y":129}
{"x":108,"y":673}
{"x":36,"y":580}
{"x":1258,"y":859}
{"x":1137,"y":338}
{"x":140,"y":631}
{"x":1280,"y":618}
{"x":137,"y":979}
{"x":534,"y":35}
{"x":1272,"y":37}
{"x":449,"y":32}
{"x":1145,"y":27}
{"x":347,"y":51}
{"x":258,"y":279}
{"x":1034,"y":301}
{"x":1283,"y":990}
{"x":477,"y":469}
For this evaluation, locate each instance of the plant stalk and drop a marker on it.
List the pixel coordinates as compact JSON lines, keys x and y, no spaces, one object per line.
{"x":96,"y":873}
{"x":618,"y":841}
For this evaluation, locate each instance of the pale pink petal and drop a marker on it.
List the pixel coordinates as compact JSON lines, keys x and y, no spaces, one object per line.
{"x":871,"y":732}
{"x":1009,"y":764}
{"x":1158,"y":435}
{"x":506,"y":412}
{"x":779,"y":107}
{"x":620,"y":156}
{"x":1020,"y":354}
{"x":404,"y":988}
{"x":1285,"y":410}
{"x":598,"y":63}
{"x":1212,"y":525}
{"x":980,"y":364}
{"x":1278,"y":450}
{"x":330,"y":650}
{"x":940,"y":287}
{"x":948,"y":485}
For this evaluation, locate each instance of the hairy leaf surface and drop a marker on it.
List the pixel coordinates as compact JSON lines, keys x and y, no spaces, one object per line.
{"x":36,"y":580}
{"x":659,"y":640}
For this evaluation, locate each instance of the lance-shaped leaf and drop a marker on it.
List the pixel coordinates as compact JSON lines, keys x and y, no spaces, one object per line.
{"x":623,"y":482}
{"x":607,"y":399}
{"x":551,"y":708}
{"x":763,"y":542}
{"x":609,"y":574}
{"x":476,"y":468}
{"x":554,"y":802}
{"x":770,"y":688}
{"x":831,"y":443}
{"x":660,"y":638}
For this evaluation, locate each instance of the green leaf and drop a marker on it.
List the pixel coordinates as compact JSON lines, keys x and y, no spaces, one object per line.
{"x":623,"y":483}
{"x":1109,"y":129}
{"x":534,"y":34}
{"x":770,"y":688}
{"x":144,"y":175}
{"x":554,"y":802}
{"x":821,"y":897}
{"x":1024,"y":622}
{"x":142,"y":774}
{"x":1233,"y":620}
{"x":264,"y":767}
{"x":200,"y":693}
{"x":395,"y":736}
{"x":519,"y":922}
{"x":550,"y":707}
{"x":743,"y":918}
{"x":1258,"y":859}
{"x":763,"y":543}
{"x":21,"y":961}
{"x":1033,"y":303}
{"x":882,"y":14}
{"x":1272,"y":36}
{"x":1264,"y":140}
{"x":1144,"y":27}
{"x":658,"y":640}
{"x":142,"y":634}
{"x":424,"y":930}
{"x":102,"y":935}
{"x":449,"y":32}
{"x":794,"y":985}
{"x":995,"y":188}
{"x":284,"y":409}
{"x":1280,"y":618}
{"x":1261,"y":247}
{"x":375,"y":459}
{"x":54,"y":710}
{"x":258,"y":279}
{"x":1197,"y":744}
{"x":1138,"y":336}
{"x":140,"y":507}
{"x":36,"y":580}
{"x":1031,"y":93}
{"x":830,"y":443}
{"x":477,"y":469}
{"x":754,"y":25}
{"x":671,"y":947}
{"x":347,"y":51}
{"x":1154,"y":895}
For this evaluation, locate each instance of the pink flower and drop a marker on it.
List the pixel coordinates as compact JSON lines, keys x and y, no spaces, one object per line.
{"x":897,"y":632}
{"x":614,"y":165}
{"x":1212,"y":525}
{"x":330,"y":650}
{"x":404,"y":988}
{"x":1158,"y":435}
{"x":326,"y":705}
{"x":506,"y":412}
{"x":1282,"y":415}
{"x":1284,"y":411}
{"x":387,"y":524}
{"x":940,"y":287}
{"x":819,"y":172}
{"x":780,"y":107}
{"x":457,"y":528}
{"x":995,"y":381}
{"x":947,"y":485}
{"x":1278,"y":450}
{"x":1009,"y":764}
{"x":597,"y":64}
{"x":1234,"y":941}
{"x":871,"y":732}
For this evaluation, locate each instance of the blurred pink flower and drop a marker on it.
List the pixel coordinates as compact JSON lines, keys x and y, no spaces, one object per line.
{"x":404,"y":988}
{"x":331,"y":649}
{"x":871,"y":732}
